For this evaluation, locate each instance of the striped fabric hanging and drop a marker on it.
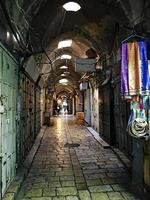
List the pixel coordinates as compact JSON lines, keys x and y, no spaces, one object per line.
{"x":135,"y":79}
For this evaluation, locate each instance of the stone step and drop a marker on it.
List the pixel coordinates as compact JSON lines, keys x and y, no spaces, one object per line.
{"x":98,"y":138}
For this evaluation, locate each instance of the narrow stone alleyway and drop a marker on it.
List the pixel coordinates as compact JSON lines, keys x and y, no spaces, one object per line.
{"x":85,"y":172}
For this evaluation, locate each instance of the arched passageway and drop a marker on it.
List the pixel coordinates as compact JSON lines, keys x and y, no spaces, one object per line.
{"x":56,"y":62}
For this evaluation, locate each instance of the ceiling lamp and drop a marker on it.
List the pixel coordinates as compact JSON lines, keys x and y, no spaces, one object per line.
{"x":8,"y":35}
{"x":71,"y":6}
{"x":63,"y":67}
{"x":64,"y":43}
{"x":64,"y":80}
{"x":59,"y":101}
{"x":66,"y":72}
{"x":62,"y":75}
{"x":65,"y":56}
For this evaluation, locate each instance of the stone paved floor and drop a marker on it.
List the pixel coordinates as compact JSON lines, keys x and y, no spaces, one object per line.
{"x":87,"y":172}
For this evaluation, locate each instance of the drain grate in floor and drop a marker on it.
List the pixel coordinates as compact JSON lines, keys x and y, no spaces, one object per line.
{"x":71,"y":145}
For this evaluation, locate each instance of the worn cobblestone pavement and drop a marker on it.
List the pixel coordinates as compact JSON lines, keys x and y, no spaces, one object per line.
{"x":87,"y":172}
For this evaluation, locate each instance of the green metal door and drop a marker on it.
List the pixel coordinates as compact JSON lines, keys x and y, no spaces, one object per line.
{"x":8,"y":96}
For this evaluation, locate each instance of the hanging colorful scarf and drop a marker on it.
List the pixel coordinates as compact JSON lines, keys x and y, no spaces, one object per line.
{"x":135,"y":77}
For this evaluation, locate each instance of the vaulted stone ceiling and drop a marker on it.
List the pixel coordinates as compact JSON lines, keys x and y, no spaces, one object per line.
{"x":42,"y":21}
{"x":41,"y":24}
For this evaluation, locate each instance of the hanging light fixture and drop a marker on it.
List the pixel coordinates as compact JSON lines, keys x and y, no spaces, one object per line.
{"x":59,"y":101}
{"x":8,"y":35}
{"x":71,"y":6}
{"x":64,"y":43}
{"x":63,"y":75}
{"x":63,"y":67}
{"x":66,"y":72}
{"x":65,"y":56}
{"x":64,"y":80}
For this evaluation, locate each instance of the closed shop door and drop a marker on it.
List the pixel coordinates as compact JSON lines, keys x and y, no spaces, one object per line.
{"x":8,"y":99}
{"x":27,"y":102}
{"x":37,"y":113}
{"x":87,"y":106}
{"x":121,"y":116}
{"x":106,"y":113}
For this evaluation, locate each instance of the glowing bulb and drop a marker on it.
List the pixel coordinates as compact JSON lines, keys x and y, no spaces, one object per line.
{"x":59,"y":101}
{"x":65,"y":56}
{"x":64,"y":43}
{"x":8,"y":35}
{"x":63,"y":67}
{"x":71,"y":6}
{"x":63,"y":80}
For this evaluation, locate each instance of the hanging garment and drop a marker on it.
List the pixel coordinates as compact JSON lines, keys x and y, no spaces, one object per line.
{"x":140,"y":102}
{"x":135,"y":77}
{"x":137,"y":113}
{"x":145,"y":101}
